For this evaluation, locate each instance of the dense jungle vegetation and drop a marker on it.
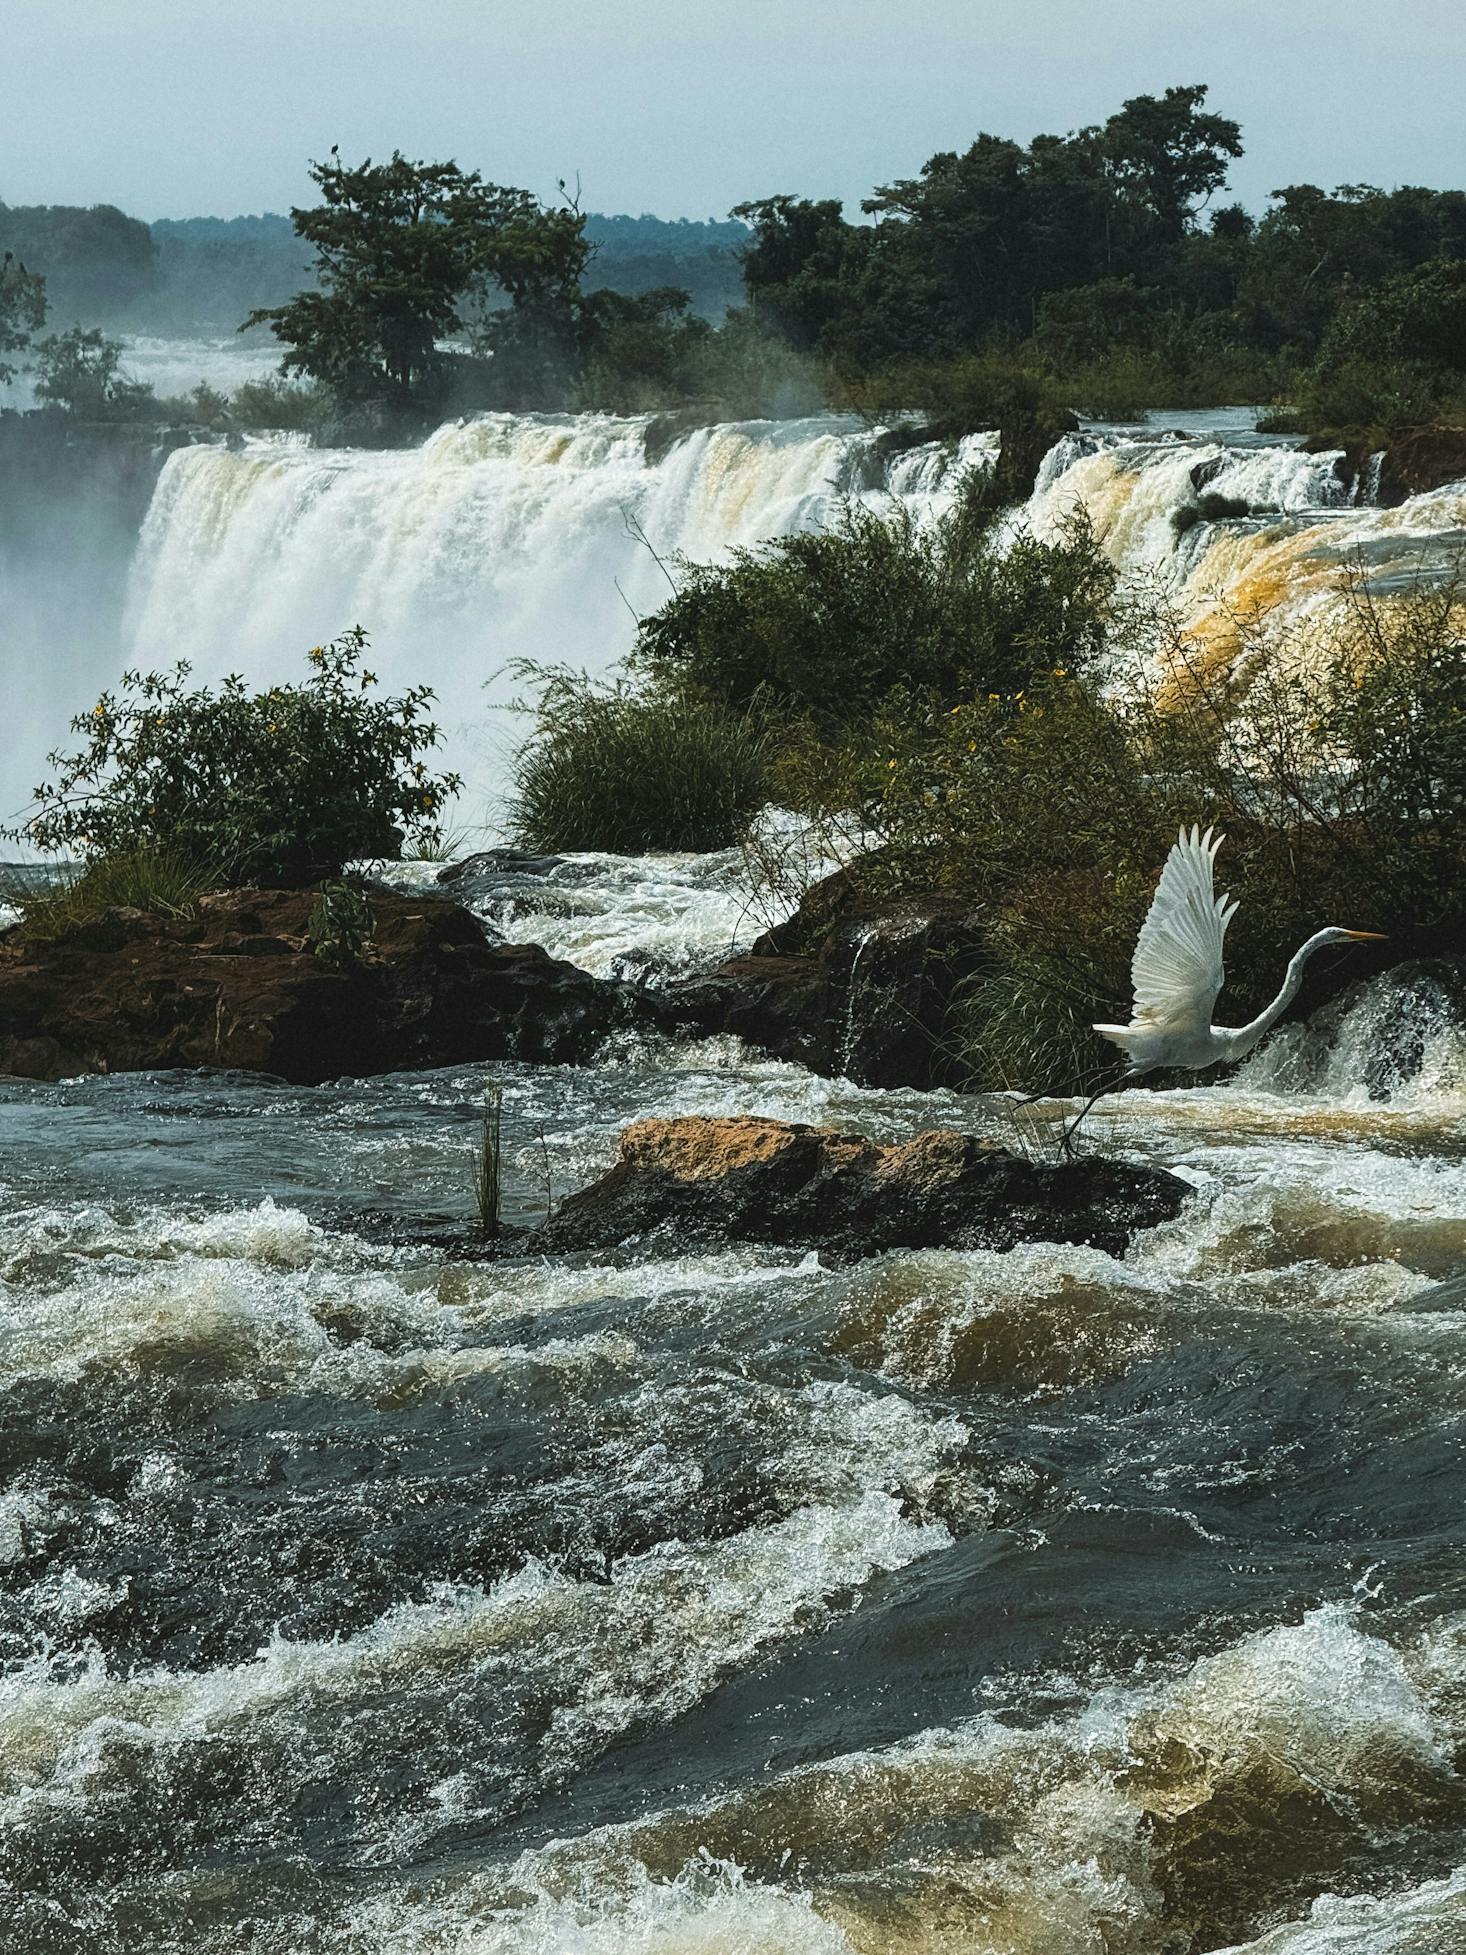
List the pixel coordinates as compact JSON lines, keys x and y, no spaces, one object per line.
{"x":1100,"y":271}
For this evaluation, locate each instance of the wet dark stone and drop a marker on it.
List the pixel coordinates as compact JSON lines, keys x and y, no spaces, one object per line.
{"x":704,"y":1180}
{"x":238,"y":987}
{"x":849,"y":988}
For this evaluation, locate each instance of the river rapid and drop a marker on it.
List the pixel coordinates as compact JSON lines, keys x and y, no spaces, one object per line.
{"x":360,"y":1601}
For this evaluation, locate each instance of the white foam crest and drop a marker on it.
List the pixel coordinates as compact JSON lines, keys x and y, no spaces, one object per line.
{"x":1325,"y":1206}
{"x":710,"y":1908}
{"x":709,"y":1608}
{"x":1041,"y":1313}
{"x":1320,"y":1707}
{"x":1425,"y":1920}
{"x":236,"y":1325}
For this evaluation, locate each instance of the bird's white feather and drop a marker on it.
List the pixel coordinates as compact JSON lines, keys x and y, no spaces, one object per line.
{"x":1177,"y":969}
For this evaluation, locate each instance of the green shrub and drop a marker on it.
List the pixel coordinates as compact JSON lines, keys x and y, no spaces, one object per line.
{"x":159,"y":878}
{"x":828,"y":622}
{"x":1335,"y":763}
{"x":283,"y":786}
{"x":611,"y":768}
{"x":341,"y":925}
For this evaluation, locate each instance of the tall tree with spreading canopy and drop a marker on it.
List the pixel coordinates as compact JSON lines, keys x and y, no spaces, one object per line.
{"x":400,"y":248}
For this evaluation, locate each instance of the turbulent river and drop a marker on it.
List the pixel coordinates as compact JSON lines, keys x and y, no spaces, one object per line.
{"x":360,"y":1601}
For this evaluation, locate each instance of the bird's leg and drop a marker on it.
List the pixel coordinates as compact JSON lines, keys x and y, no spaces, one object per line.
{"x":1058,"y":1092}
{"x":1066,"y":1142}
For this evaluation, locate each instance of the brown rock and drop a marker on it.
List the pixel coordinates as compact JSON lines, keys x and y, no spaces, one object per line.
{"x":236,"y":986}
{"x":1423,"y":459}
{"x":697,"y":1179}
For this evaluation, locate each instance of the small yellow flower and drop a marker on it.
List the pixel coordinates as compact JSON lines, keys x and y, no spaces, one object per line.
{"x":993,"y":698}
{"x":890,"y":763}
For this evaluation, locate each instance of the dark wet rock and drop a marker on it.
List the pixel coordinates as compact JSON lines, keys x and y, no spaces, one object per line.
{"x":698,"y":1179}
{"x":1424,"y":459}
{"x":1376,"y":1028}
{"x":236,"y":986}
{"x":848,"y":986}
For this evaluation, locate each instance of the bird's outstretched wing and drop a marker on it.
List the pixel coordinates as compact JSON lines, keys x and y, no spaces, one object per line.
{"x":1177,"y":968}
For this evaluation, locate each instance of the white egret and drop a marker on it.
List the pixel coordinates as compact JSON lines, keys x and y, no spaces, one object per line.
{"x":1177,"y":972}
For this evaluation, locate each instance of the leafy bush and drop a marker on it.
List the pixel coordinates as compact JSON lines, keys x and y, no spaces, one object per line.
{"x":611,"y":768}
{"x":157,"y":877}
{"x":279,"y":786}
{"x":828,"y":622}
{"x":81,"y":370}
{"x":341,"y":925}
{"x":1335,"y":763}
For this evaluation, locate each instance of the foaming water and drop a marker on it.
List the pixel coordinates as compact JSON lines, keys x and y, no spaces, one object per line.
{"x":501,"y":537}
{"x":1286,"y":523}
{"x":356,"y":1600}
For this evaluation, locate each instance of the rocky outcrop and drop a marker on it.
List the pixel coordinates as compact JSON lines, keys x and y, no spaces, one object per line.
{"x":849,"y":987}
{"x":1424,"y":459}
{"x":706,"y":1180}
{"x":238,"y":986}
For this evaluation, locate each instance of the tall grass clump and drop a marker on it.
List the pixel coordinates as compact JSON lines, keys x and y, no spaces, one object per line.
{"x":615,"y":768}
{"x":157,"y":877}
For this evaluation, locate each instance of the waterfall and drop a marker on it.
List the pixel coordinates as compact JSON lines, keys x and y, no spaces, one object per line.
{"x":509,"y":536}
{"x":505,"y":536}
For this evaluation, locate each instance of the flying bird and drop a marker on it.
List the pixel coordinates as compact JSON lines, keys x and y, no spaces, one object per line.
{"x":1177,"y":972}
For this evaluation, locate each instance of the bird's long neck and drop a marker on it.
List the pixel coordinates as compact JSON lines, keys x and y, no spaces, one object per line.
{"x":1247,"y":1036}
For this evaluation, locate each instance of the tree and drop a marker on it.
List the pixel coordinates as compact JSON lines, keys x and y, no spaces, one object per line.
{"x":1417,"y":316}
{"x":400,"y":246}
{"x":81,"y":370}
{"x":1168,"y":154}
{"x":22,"y":310}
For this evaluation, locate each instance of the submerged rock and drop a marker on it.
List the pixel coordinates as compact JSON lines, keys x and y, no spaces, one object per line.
{"x":237,"y":985}
{"x":699,"y":1179}
{"x":848,"y":987}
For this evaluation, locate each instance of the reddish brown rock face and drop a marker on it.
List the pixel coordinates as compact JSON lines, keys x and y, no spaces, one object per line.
{"x":750,"y":1179}
{"x":237,"y":987}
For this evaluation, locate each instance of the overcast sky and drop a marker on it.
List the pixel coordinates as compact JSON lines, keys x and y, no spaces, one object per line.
{"x":684,"y":107}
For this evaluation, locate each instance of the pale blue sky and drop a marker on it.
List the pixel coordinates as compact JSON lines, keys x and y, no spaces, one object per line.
{"x":683,"y":107}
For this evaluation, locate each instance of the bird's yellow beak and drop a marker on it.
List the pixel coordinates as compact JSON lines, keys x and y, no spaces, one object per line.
{"x":1367,"y":936}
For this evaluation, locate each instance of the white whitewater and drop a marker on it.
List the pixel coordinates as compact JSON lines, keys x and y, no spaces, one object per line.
{"x":545,"y":537}
{"x":499,"y":538}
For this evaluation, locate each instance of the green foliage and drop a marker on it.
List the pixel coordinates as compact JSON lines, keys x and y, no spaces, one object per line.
{"x":1336,"y":766}
{"x":283,"y":786}
{"x":22,"y":310}
{"x":81,"y":370}
{"x":158,"y":877}
{"x":1363,"y":406}
{"x":401,"y":249}
{"x":829,"y":622}
{"x":341,"y":925}
{"x":607,"y":767}
{"x":1417,"y":316}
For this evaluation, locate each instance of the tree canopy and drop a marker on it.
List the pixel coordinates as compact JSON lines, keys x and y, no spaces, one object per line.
{"x":401,"y":247}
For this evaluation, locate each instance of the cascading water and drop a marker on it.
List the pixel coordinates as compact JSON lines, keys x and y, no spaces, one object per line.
{"x":502,"y":537}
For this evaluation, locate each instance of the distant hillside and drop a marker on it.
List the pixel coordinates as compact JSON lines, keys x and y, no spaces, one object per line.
{"x":202,"y":275}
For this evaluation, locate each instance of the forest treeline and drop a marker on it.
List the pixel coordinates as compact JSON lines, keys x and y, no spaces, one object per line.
{"x":1098,"y":271}
{"x":188,"y":277}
